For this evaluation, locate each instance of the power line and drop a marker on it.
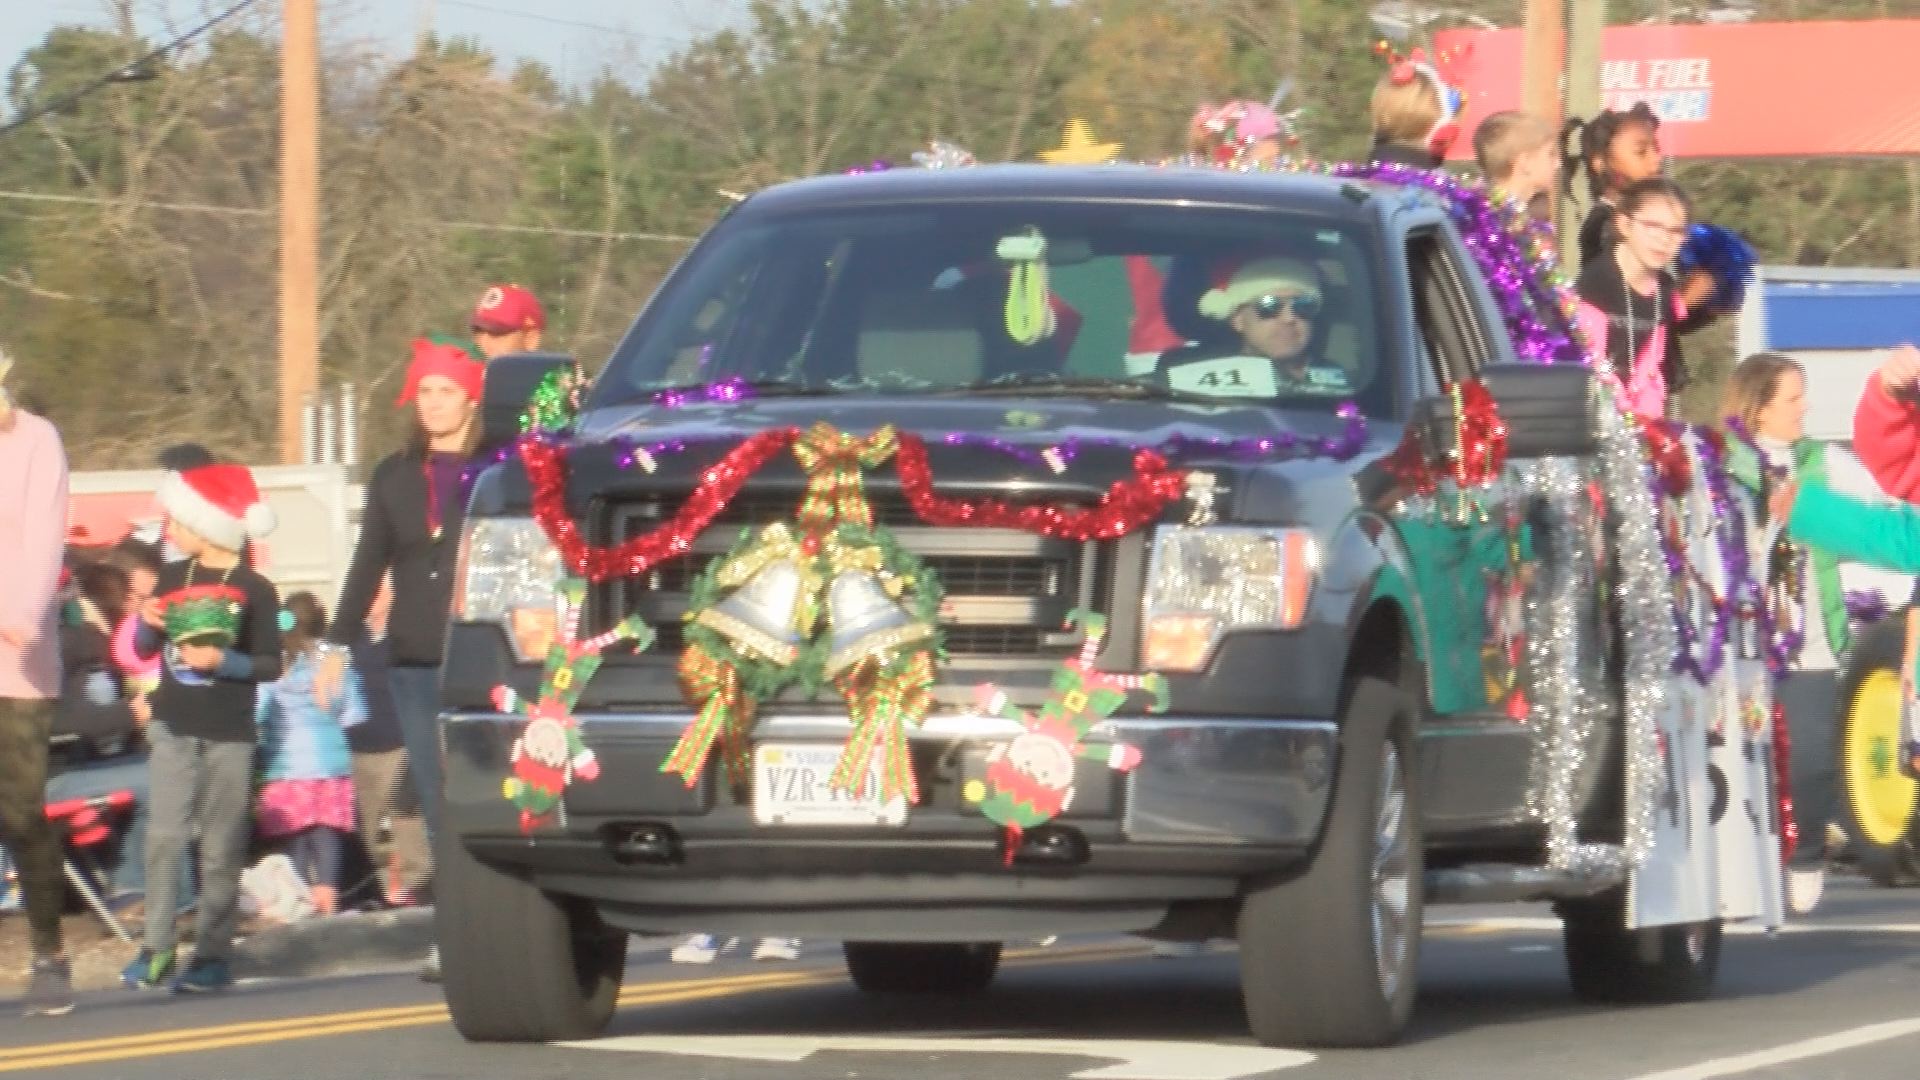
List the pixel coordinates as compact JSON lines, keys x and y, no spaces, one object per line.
{"x":249,"y":211}
{"x":121,"y":73}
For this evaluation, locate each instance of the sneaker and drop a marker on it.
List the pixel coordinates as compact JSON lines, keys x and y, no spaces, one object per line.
{"x":203,"y":977}
{"x":430,"y":967}
{"x":50,"y":992}
{"x":1175,"y":950}
{"x":148,"y":970}
{"x":777,"y":948}
{"x":1804,"y":887}
{"x":700,"y":949}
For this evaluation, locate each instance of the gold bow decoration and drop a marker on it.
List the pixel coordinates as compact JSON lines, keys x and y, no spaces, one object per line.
{"x":885,"y":699}
{"x":834,"y":461}
{"x":725,"y":718}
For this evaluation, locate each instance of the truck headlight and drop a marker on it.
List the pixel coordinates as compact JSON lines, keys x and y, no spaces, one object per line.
{"x":1204,"y":581}
{"x":508,"y":570}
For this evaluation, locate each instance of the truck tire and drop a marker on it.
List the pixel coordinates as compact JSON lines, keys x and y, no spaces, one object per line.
{"x":1329,"y":957}
{"x":1882,"y":804}
{"x":880,"y":967}
{"x":1611,"y":964}
{"x":520,"y":965}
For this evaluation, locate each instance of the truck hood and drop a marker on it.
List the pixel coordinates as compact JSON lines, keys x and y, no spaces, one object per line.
{"x":1107,"y":432}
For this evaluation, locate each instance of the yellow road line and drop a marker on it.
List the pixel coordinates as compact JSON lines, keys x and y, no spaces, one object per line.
{"x":256,"y":1032}
{"x":296,"y":1027}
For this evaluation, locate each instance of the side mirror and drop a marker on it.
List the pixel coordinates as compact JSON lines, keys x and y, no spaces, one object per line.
{"x":1548,"y":408}
{"x":511,"y":381}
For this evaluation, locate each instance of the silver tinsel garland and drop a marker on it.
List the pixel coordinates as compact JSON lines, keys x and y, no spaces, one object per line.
{"x":1642,"y":604}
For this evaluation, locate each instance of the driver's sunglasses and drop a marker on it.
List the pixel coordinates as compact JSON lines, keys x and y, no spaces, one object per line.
{"x":1303,"y":306}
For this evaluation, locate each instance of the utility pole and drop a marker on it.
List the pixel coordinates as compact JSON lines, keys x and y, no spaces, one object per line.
{"x":1585,"y":29}
{"x":1543,"y":66}
{"x":299,"y":219}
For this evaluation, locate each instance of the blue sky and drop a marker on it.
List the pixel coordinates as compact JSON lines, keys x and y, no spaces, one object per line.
{"x":576,"y":37}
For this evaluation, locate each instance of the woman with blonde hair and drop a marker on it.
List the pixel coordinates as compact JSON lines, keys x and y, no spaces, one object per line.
{"x":1768,"y":453}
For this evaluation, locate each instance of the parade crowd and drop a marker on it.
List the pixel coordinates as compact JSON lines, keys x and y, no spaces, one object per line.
{"x":270,"y":739}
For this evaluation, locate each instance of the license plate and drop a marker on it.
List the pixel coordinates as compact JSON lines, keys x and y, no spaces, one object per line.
{"x":790,"y":787}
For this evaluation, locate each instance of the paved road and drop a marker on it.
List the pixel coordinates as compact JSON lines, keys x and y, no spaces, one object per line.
{"x":1838,"y":997}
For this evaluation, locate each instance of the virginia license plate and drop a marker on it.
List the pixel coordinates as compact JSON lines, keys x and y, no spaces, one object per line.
{"x":790,"y":787}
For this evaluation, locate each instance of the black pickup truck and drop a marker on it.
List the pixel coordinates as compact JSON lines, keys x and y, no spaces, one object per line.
{"x":1345,"y":737}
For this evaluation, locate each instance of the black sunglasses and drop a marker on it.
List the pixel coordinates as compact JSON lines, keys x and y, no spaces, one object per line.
{"x":1303,"y":306}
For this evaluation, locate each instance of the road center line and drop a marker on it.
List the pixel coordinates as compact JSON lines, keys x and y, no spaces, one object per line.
{"x":1791,"y":1052}
{"x":255,"y":1032}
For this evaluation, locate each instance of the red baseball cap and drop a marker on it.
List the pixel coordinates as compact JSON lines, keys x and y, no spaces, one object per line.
{"x":506,"y":309}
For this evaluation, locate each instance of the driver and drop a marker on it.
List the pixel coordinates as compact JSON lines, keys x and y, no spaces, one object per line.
{"x":1271,"y":306}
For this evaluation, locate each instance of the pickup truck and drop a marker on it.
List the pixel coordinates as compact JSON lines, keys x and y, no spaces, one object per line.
{"x":1346,"y":734}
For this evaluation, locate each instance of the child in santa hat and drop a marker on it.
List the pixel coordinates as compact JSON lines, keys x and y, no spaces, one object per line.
{"x":214,"y":622}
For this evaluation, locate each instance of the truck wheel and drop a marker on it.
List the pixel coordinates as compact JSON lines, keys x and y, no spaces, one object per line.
{"x":518,"y":964}
{"x":1611,"y":964}
{"x":1329,"y":957}
{"x":1881,"y":801}
{"x":881,"y":967}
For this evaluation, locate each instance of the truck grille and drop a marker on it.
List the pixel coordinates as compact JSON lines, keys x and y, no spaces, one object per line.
{"x":1007,"y":593}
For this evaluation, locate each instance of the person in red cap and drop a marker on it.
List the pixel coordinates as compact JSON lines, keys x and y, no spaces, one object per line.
{"x":415,"y":505}
{"x":215,"y":623}
{"x":508,"y":319}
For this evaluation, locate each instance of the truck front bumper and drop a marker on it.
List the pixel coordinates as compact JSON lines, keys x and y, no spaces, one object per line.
{"x":1212,"y":802}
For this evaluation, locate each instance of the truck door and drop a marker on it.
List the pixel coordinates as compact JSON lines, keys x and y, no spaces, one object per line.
{"x":1468,"y":551}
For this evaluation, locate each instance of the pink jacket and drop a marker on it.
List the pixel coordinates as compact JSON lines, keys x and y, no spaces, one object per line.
{"x":1642,"y":391}
{"x":33,"y":534}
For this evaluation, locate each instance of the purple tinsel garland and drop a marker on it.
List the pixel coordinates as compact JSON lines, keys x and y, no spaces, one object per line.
{"x":1867,"y":605}
{"x":1785,"y":630}
{"x":1541,"y":328}
{"x":1285,"y":446}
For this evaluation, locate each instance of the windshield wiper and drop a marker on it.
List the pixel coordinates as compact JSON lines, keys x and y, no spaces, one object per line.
{"x":734,"y":389}
{"x":1048,"y":383}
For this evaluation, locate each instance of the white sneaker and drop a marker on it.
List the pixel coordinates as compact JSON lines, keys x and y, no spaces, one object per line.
{"x":1804,"y":888}
{"x":1174,"y":950}
{"x":700,"y":949}
{"x":777,"y":948}
{"x":1045,"y":942}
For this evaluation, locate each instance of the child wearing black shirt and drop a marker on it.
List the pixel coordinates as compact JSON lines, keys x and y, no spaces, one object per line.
{"x":215,"y":622}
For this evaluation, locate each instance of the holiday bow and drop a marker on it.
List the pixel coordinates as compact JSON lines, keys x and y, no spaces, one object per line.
{"x":883,"y":700}
{"x":833,"y":461}
{"x":726,"y":713}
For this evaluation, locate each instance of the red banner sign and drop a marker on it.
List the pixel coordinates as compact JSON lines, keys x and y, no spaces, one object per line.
{"x":1752,"y":90}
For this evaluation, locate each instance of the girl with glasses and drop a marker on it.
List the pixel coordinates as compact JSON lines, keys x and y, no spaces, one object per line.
{"x":1631,"y":305}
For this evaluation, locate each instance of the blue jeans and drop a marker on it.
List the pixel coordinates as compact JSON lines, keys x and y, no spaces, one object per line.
{"x":416,"y":701}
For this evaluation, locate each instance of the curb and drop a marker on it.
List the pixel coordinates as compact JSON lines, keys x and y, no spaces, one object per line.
{"x":338,"y":943}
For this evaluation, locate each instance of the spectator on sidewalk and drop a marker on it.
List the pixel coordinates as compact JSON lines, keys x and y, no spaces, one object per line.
{"x":216,"y":623}
{"x":415,"y":506}
{"x":399,"y":849}
{"x":508,"y":319}
{"x":33,"y":490}
{"x":306,"y":798}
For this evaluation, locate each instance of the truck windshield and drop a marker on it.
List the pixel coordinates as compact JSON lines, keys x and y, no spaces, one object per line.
{"x":1186,"y":303}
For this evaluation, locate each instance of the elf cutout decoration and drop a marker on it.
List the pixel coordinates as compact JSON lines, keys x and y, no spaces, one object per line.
{"x":550,"y":755}
{"x":1029,"y":779}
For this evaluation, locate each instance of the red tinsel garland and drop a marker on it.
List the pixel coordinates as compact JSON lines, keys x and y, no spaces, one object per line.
{"x":1476,"y":460}
{"x":1782,"y":772}
{"x":547,"y":473}
{"x":1668,"y":454}
{"x":1127,"y":505}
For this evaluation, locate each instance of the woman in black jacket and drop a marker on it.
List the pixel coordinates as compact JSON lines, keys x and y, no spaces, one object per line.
{"x":410,"y":528}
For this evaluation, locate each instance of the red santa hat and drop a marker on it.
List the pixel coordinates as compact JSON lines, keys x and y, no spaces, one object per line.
{"x":219,"y":503}
{"x":432,"y":356}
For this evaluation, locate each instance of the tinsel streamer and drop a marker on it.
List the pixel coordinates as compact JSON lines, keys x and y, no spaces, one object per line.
{"x":1782,"y":778}
{"x":555,"y":403}
{"x":1642,"y":604}
{"x":1127,"y":505}
{"x":834,"y":461}
{"x":545,"y":462}
{"x":1180,"y":447}
{"x":1566,"y":673}
{"x":1867,"y":605}
{"x":724,"y":718}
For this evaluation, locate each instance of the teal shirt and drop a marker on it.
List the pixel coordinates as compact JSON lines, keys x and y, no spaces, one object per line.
{"x":1810,"y":469}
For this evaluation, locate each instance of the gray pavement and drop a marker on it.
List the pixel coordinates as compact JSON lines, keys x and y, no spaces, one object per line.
{"x":1838,"y":997}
